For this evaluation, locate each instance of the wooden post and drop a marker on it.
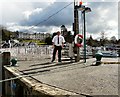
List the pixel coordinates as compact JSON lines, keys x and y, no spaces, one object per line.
{"x":5,"y":61}
{"x":76,"y":31}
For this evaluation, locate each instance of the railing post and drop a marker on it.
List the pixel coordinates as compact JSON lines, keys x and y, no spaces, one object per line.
{"x":5,"y":61}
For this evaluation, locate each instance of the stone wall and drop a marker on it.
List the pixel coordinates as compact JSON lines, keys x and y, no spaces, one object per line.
{"x":25,"y":86}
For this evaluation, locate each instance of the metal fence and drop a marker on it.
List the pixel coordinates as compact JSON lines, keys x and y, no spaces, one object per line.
{"x":30,"y":52}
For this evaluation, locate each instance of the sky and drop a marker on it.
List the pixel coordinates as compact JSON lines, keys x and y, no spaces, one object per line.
{"x":34,"y":16}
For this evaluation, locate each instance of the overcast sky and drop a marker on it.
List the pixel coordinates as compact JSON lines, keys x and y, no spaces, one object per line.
{"x":25,"y":15}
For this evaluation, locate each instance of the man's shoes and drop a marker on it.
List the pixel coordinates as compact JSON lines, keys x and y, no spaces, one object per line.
{"x":52,"y":61}
{"x":59,"y":62}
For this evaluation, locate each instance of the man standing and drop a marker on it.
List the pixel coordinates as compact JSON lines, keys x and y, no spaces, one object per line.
{"x":58,"y":42}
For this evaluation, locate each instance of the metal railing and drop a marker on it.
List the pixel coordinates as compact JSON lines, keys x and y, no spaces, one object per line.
{"x":30,"y":52}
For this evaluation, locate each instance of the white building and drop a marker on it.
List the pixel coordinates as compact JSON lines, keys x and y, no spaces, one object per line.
{"x":38,"y":36}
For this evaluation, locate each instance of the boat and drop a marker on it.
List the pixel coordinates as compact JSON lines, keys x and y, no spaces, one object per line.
{"x":109,"y":54}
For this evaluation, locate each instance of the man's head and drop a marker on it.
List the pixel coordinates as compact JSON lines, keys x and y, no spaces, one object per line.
{"x":58,"y":32}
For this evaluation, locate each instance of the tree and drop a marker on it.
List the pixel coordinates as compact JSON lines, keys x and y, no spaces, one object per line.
{"x":6,"y":34}
{"x":102,"y":40}
{"x":118,"y":42}
{"x":113,"y":39}
{"x":48,"y":40}
{"x":90,"y":41}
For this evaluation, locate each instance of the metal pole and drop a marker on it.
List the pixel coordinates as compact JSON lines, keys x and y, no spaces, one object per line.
{"x":84,"y":37}
{"x":76,"y":31}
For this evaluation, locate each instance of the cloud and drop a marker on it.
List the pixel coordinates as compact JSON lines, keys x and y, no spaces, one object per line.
{"x":119,"y":20}
{"x":100,"y":19}
{"x":32,"y":29}
{"x":25,"y":15}
{"x":103,"y":17}
{"x":63,"y":17}
{"x":13,"y":11}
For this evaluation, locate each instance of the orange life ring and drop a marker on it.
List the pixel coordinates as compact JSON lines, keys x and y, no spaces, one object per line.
{"x":78,"y":40}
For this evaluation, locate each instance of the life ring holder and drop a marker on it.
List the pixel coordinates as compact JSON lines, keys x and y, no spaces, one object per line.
{"x":76,"y":40}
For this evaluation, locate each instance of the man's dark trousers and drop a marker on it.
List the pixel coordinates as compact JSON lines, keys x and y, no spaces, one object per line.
{"x":59,"y":48}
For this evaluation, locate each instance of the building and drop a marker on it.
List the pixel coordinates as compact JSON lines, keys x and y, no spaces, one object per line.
{"x":37,"y":36}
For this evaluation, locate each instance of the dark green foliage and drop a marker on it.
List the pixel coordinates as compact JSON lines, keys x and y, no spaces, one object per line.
{"x":7,"y":35}
{"x":48,"y":40}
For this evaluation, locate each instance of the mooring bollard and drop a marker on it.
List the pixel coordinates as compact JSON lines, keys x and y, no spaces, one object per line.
{"x":98,"y":57}
{"x":14,"y":62}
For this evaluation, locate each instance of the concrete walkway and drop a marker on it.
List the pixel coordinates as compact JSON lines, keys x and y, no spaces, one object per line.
{"x":76,"y":77}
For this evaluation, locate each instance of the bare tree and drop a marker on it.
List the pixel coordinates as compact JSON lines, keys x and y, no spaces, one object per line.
{"x":103,"y":38}
{"x":113,"y":39}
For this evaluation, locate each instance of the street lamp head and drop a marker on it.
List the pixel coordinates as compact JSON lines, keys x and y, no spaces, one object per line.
{"x":87,"y":9}
{"x":80,"y":7}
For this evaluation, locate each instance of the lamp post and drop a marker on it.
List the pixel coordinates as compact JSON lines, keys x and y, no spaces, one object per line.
{"x":84,"y":36}
{"x":84,"y":9}
{"x":87,"y":9}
